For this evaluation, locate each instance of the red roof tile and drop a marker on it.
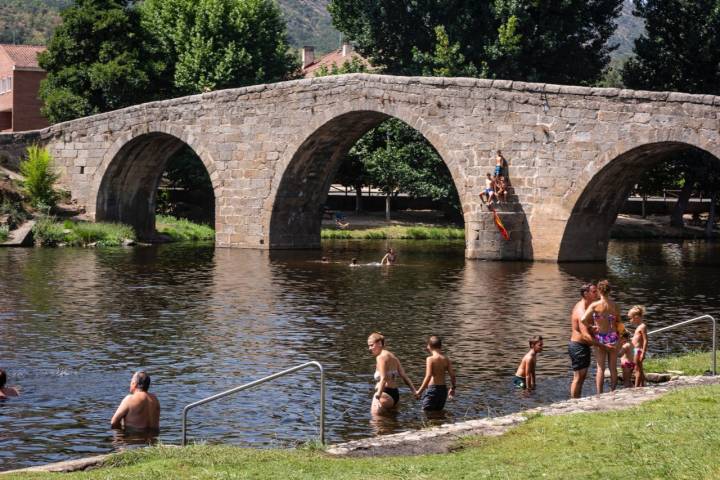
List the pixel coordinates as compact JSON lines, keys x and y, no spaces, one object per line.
{"x":23,"y":56}
{"x":333,"y":58}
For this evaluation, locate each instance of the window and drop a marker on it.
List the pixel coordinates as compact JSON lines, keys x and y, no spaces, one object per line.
{"x":5,"y":85}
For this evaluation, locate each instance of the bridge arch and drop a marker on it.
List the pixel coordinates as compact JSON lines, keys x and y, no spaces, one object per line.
{"x":594,"y":209}
{"x":129,"y":175}
{"x":303,"y":179}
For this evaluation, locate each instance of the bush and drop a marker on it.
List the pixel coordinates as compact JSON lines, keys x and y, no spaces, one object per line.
{"x":15,"y":212}
{"x":329,"y":234}
{"x":103,"y":234}
{"x":4,"y":232}
{"x":376,"y":235}
{"x":181,"y":230}
{"x":39,"y":177}
{"x":48,"y":233}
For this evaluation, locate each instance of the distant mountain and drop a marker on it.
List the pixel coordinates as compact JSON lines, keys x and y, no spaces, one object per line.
{"x":309,"y":23}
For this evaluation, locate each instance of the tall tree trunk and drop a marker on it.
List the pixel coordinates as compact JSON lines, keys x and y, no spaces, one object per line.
{"x":676,"y":220}
{"x":711,"y":216}
{"x":358,"y":198}
{"x":387,"y":207}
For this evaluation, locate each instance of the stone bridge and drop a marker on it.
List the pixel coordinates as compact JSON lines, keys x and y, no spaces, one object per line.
{"x":271,"y":151}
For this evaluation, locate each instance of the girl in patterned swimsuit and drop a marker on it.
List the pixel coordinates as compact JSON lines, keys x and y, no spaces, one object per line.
{"x":627,"y":359}
{"x":602,"y":316}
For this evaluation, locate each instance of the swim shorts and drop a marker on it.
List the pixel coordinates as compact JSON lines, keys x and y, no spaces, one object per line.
{"x":518,"y":382}
{"x":498,"y":170}
{"x":579,"y":355}
{"x":434,"y":397}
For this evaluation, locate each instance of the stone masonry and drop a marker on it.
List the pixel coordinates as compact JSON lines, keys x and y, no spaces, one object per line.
{"x":271,"y":151}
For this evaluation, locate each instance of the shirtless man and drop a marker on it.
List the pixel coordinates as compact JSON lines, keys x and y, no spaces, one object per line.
{"x":489,"y":191}
{"x":140,"y":410}
{"x":581,"y":339}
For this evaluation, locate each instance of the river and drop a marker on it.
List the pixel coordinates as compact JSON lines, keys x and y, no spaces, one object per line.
{"x":75,"y":324}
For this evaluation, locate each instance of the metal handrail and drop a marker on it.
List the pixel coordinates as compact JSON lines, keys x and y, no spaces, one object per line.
{"x":692,"y":320}
{"x":260,"y":382}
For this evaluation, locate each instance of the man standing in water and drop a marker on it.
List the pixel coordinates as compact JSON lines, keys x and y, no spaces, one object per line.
{"x":581,"y":339}
{"x":140,"y":410}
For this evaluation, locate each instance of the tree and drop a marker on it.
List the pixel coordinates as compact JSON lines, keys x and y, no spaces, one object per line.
{"x":517,"y":39}
{"x":680,"y":49}
{"x":215,"y":44}
{"x":39,"y":181}
{"x":97,"y":60}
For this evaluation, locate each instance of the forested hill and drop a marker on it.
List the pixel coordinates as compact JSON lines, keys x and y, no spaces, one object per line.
{"x":32,"y":21}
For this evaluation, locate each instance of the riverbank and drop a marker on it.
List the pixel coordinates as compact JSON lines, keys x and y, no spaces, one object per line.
{"x":634,"y":227}
{"x":645,"y":439}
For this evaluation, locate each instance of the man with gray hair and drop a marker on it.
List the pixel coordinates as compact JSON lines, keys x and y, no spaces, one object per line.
{"x":140,"y":410}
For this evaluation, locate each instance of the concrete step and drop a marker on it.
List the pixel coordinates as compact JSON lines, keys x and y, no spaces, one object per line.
{"x":21,"y":236}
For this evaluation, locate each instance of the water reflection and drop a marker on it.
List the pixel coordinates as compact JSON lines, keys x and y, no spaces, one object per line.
{"x":76,"y":324}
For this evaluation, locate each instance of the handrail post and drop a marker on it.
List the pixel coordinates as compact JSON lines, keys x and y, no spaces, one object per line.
{"x":255,"y":383}
{"x":692,"y":320}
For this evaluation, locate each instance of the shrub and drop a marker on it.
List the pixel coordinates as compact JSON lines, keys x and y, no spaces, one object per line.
{"x":4,"y":232}
{"x":103,"y":234}
{"x":39,"y":177}
{"x":376,"y":235}
{"x":329,"y":234}
{"x":15,"y":212}
{"x":47,"y":232}
{"x":182,"y":230}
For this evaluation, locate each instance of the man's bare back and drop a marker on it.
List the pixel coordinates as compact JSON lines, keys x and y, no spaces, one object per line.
{"x":140,"y":410}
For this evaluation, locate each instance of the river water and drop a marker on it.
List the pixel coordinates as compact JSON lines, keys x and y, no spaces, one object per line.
{"x":75,"y":324}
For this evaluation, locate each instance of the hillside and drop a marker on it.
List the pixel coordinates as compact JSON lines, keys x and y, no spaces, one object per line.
{"x":309,"y":23}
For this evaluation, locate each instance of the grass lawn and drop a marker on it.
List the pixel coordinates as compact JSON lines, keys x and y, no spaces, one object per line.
{"x":181,"y":230}
{"x":676,"y":436}
{"x":692,"y":363}
{"x":395,"y":232}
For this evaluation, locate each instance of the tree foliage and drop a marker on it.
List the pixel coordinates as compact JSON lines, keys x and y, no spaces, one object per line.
{"x":214,"y":44}
{"x":97,"y":60}
{"x":680,"y":50}
{"x":518,"y":39}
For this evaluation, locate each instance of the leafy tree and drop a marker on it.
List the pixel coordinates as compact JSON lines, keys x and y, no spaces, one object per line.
{"x":40,"y":178}
{"x":97,"y":61}
{"x":214,"y":44}
{"x":519,"y":39}
{"x":680,"y":49}
{"x":446,"y":60}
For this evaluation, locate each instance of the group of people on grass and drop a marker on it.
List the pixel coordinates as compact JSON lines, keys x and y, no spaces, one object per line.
{"x":496,"y":185}
{"x":596,"y":323}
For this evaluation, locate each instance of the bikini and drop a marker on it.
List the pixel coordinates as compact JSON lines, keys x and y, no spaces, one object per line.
{"x":393,"y":392}
{"x":611,"y":337}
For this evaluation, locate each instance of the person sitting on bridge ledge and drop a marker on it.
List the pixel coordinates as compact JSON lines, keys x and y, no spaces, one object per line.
{"x":140,"y":410}
{"x":489,"y":191}
{"x":6,"y":392}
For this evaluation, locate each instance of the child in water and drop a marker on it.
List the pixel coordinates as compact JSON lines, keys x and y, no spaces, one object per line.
{"x":639,"y":342}
{"x":627,"y":359}
{"x":436,"y":365}
{"x":525,"y":374}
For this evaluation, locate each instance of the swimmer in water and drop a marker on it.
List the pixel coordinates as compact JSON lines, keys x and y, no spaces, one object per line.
{"x":390,"y":257}
{"x":353,"y":263}
{"x":6,"y":392}
{"x":140,"y":410}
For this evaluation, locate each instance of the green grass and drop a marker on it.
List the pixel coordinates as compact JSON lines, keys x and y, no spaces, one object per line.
{"x":181,"y":230}
{"x":49,"y":233}
{"x":4,"y":232}
{"x":692,"y":363}
{"x":395,"y":232}
{"x":675,"y":437}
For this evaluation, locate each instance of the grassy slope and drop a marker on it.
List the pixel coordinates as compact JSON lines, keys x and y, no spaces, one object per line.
{"x":693,"y":363}
{"x":395,"y":232}
{"x":674,"y":437}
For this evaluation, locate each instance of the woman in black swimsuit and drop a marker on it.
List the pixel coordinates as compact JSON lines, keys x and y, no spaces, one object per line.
{"x":387,"y":371}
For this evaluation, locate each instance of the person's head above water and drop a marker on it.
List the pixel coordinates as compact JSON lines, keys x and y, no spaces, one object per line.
{"x":3,"y":378}
{"x":588,"y":290}
{"x":353,"y":261}
{"x":141,"y":381}
{"x":434,"y":342}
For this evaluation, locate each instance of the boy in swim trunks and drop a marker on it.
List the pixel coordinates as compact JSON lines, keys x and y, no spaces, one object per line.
{"x":525,"y":374}
{"x":639,"y":341}
{"x":433,"y":399}
{"x":627,"y":359}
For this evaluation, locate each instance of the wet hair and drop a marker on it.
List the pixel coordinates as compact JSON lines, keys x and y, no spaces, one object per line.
{"x":142,"y":380}
{"x":377,"y":337}
{"x":354,"y":260}
{"x":636,"y":310}
{"x":535,"y":340}
{"x":3,"y":378}
{"x":626,"y":334}
{"x":603,"y":287}
{"x":434,"y":342}
{"x":586,"y":287}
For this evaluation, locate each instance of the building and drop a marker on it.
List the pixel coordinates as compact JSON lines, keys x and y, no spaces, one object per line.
{"x":337,"y":58}
{"x":20,"y":77}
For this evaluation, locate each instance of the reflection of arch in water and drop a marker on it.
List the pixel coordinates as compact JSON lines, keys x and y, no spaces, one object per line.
{"x":295,"y":220}
{"x":126,"y":191}
{"x":587,"y":231}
